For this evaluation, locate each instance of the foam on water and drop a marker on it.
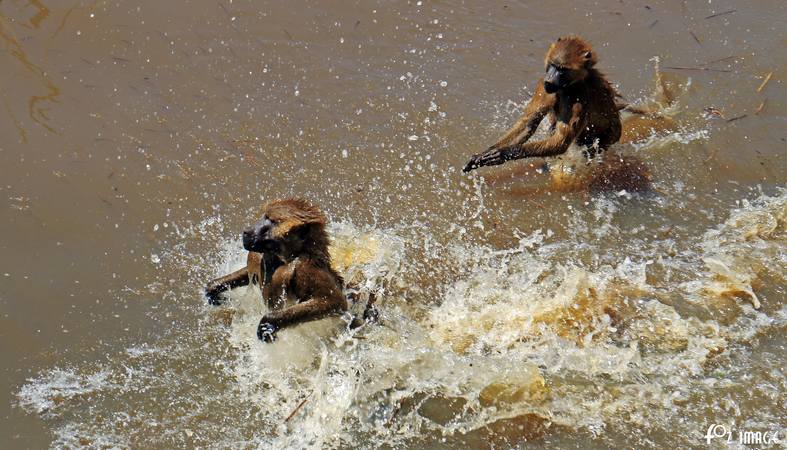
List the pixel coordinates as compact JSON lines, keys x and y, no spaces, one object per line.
{"x":47,"y":392}
{"x":525,"y":340}
{"x":750,"y":243}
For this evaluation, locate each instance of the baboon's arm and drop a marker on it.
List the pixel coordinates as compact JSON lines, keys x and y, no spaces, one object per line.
{"x":523,"y":129}
{"x":315,"y":308}
{"x":557,"y":143}
{"x":238,"y":278}
{"x":318,"y":294}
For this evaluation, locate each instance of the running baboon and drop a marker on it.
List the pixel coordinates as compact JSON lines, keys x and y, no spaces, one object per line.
{"x":288,"y":256}
{"x":578,"y":100}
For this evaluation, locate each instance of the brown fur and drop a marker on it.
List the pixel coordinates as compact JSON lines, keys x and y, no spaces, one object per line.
{"x":294,"y":267}
{"x":581,"y":109}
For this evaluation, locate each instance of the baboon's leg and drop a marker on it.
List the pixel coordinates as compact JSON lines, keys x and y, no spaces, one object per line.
{"x":663,"y":97}
{"x":238,"y":278}
{"x":639,"y":110}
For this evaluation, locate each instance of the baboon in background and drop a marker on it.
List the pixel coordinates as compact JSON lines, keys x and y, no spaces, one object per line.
{"x":288,"y":256}
{"x":579,"y":102}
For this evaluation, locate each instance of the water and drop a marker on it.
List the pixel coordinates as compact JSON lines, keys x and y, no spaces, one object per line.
{"x":139,"y":139}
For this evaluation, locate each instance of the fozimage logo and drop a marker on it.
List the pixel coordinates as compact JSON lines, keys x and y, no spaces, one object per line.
{"x":745,"y":437}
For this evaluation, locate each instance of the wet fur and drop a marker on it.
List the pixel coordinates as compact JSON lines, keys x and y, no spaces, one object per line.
{"x":297,"y":269}
{"x":582,"y":109}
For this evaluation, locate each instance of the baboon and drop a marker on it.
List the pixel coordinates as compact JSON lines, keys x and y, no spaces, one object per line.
{"x":288,"y":256}
{"x":578,"y":100}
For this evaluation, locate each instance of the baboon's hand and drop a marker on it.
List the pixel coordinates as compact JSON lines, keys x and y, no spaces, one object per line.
{"x":213,"y":294}
{"x":491,"y":157}
{"x":266,"y":331}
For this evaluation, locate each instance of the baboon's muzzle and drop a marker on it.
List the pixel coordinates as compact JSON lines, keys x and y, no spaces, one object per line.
{"x":554,"y":80}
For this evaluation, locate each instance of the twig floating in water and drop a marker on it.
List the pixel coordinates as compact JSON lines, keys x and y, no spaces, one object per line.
{"x":720,"y":60}
{"x":713,"y":111}
{"x":707,"y":69}
{"x":759,"y":108}
{"x":765,"y":81}
{"x":733,"y":119}
{"x":226,"y":11}
{"x":297,"y":408}
{"x":695,"y":38}
{"x":722,"y":13}
{"x":653,"y":24}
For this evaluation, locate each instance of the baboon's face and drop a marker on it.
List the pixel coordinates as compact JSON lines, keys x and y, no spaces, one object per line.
{"x":567,"y":62}
{"x":260,"y":237}
{"x":283,"y":228}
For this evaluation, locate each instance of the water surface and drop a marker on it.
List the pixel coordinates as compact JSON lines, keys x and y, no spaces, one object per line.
{"x":138,"y":138}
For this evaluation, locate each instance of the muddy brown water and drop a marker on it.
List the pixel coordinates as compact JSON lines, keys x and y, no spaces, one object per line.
{"x":138,"y":138}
